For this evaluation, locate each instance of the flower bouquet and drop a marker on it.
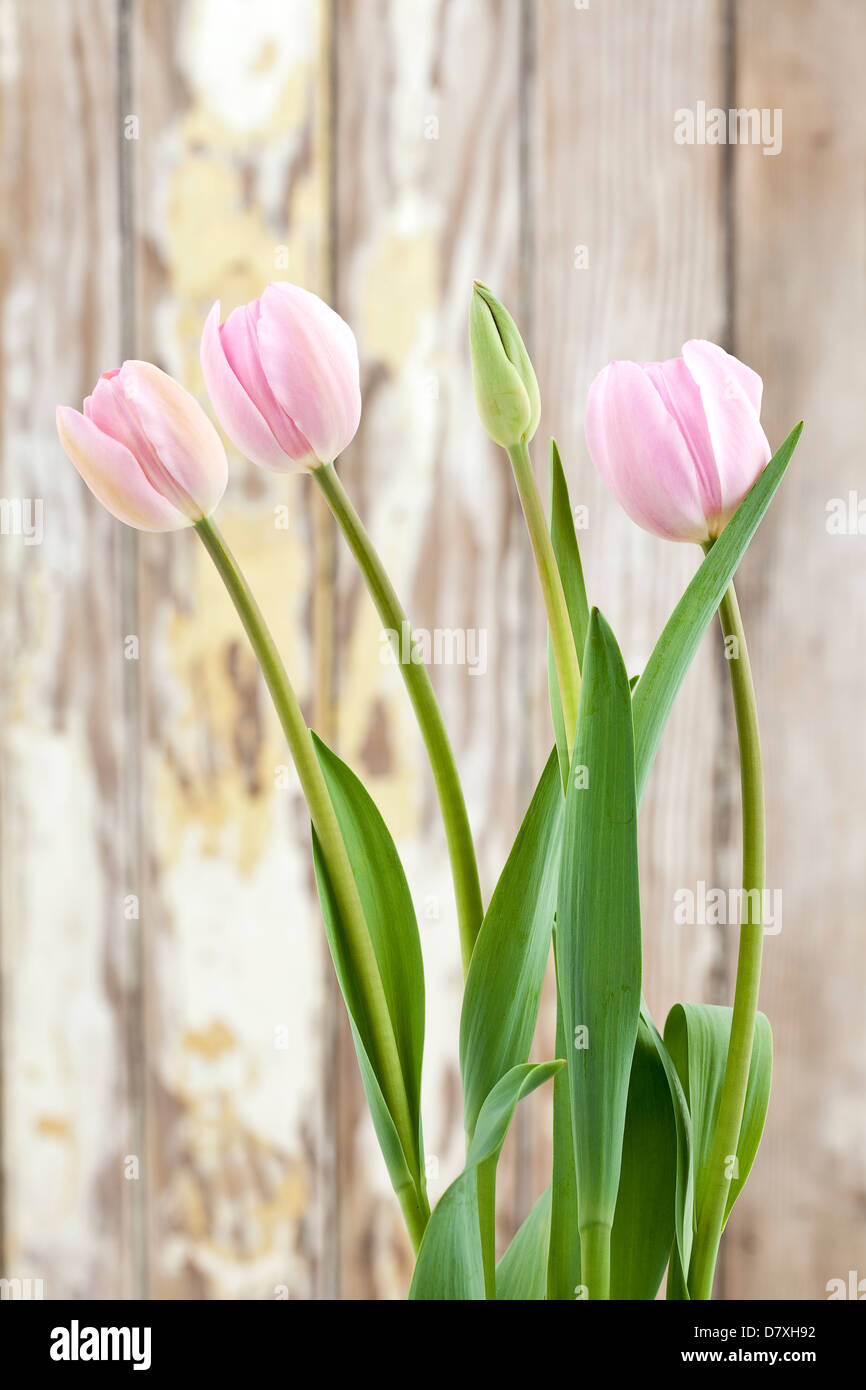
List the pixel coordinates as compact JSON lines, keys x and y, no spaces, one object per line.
{"x":654,"y":1132}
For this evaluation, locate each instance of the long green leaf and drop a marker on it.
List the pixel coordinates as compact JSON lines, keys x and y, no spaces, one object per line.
{"x":663,"y":674}
{"x":390,"y":917}
{"x":755,"y":1111}
{"x":521,"y":1274}
{"x":645,"y":1219}
{"x":450,"y":1263}
{"x":568,"y":561}
{"x":654,"y":1198}
{"x":563,"y":1259}
{"x":503,"y":987}
{"x":685,"y":1178}
{"x":598,"y":932}
{"x":697,"y":1037}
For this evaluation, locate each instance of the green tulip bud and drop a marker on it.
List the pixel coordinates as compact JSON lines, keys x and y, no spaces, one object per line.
{"x":506,"y":391}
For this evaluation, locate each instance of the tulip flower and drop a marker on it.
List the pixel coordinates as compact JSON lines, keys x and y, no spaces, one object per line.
{"x":146,"y":449}
{"x":679,"y":443}
{"x":506,"y":389}
{"x":282,"y":374}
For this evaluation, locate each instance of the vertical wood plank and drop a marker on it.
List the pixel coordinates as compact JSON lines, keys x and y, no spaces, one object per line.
{"x":68,"y":952}
{"x":427,"y":179}
{"x":629,"y":262}
{"x":230,"y":194}
{"x":800,"y":320}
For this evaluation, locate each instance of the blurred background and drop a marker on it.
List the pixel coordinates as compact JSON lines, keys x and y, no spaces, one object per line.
{"x":181,"y":1116}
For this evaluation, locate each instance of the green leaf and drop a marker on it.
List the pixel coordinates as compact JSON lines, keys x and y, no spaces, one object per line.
{"x":755,"y":1110}
{"x":697,"y":1038}
{"x":503,"y":987}
{"x":663,"y":674}
{"x":654,"y":1199}
{"x":685,"y":1179}
{"x":450,"y":1263}
{"x":563,"y":1259}
{"x":500,"y":1105}
{"x":567,"y":553}
{"x":598,"y":930}
{"x":521,"y":1274}
{"x":643,"y":1226}
{"x":390,"y":917}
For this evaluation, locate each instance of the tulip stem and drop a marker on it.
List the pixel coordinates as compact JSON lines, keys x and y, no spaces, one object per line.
{"x":711,"y":1207}
{"x":562,"y":637}
{"x":330,"y":838}
{"x":461,"y":851}
{"x":595,"y":1260}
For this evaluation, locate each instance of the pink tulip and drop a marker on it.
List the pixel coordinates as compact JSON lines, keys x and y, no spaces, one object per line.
{"x":146,"y":449}
{"x":678,"y":443}
{"x":282,"y":374}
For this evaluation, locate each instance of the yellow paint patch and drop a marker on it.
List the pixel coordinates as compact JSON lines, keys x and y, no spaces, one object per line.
{"x":229,"y":739}
{"x":210,"y":1042}
{"x":400,"y":287}
{"x":53,"y":1127}
{"x":203,"y":124}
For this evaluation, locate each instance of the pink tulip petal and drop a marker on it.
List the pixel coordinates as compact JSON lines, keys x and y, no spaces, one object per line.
{"x":113,"y":475}
{"x":191,"y":468}
{"x":236,"y":412}
{"x":682,"y":399}
{"x":310,"y":358}
{"x":637,"y":447}
{"x":731,"y":395}
{"x":239,"y":339}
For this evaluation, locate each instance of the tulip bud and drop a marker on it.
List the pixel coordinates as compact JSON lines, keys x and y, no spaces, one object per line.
{"x":146,"y":449}
{"x":506,"y":391}
{"x":678,"y":443}
{"x":283,"y":377}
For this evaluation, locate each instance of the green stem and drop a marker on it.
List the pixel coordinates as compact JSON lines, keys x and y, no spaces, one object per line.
{"x":595,"y":1260}
{"x":458,"y":834}
{"x":416,"y":1213}
{"x":486,"y":1181}
{"x":711,"y":1211}
{"x":564,"y":651}
{"x":327,"y":829}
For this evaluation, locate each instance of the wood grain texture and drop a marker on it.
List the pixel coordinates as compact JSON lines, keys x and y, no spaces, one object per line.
{"x":159,"y":155}
{"x":629,"y":261}
{"x":800,"y":318}
{"x":68,"y":951}
{"x":230,"y":193}
{"x":427,"y":199}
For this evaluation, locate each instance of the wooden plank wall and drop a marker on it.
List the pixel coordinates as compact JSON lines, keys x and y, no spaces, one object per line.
{"x":180,"y":1111}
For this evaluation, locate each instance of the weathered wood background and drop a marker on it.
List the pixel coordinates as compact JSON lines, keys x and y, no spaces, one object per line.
{"x":180,"y":1112}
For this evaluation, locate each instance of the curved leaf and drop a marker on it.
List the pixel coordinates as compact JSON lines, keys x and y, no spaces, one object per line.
{"x":521,"y":1274}
{"x":697,"y":1038}
{"x":685,"y":1179}
{"x":663,"y":674}
{"x":645,"y":1219}
{"x":506,"y":974}
{"x":450,"y":1264}
{"x":390,"y":917}
{"x":500,"y":1105}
